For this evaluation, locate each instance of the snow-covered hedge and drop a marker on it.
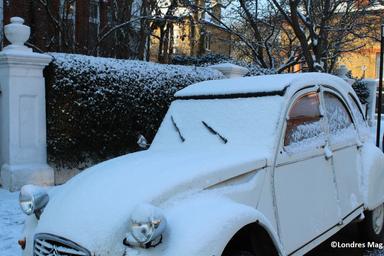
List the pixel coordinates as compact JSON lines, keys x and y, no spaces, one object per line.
{"x":361,"y":90}
{"x":96,"y":107}
{"x":211,"y":59}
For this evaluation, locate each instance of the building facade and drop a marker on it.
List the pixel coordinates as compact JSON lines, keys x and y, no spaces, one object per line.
{"x":86,"y":27}
{"x":211,"y":39}
{"x":364,"y":62}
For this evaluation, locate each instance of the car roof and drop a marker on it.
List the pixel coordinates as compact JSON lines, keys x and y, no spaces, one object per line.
{"x":260,"y":85}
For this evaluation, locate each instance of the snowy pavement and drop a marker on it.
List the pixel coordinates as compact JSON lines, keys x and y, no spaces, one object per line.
{"x":11,"y":221}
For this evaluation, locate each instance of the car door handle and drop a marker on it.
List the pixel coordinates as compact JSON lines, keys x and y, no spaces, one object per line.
{"x":328,"y":152}
{"x":359,"y":144}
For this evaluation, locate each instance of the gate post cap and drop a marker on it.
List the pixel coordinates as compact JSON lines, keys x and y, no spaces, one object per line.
{"x":17,"y":34}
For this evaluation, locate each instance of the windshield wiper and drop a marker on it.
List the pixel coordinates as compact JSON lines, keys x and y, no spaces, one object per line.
{"x":177,"y":129}
{"x":214,"y":132}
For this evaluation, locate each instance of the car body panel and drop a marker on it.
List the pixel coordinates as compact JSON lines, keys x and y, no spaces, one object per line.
{"x":372,"y":176}
{"x":301,"y":183}
{"x":346,"y":158}
{"x":118,"y":178}
{"x":302,"y":176}
{"x":201,"y":226}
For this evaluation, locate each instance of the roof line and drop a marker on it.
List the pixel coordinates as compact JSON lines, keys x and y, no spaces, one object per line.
{"x":234,"y":95}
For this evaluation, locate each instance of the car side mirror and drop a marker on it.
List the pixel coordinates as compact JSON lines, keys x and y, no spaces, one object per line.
{"x":142,"y":142}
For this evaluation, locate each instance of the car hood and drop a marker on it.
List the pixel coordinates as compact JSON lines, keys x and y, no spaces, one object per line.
{"x":95,"y":205}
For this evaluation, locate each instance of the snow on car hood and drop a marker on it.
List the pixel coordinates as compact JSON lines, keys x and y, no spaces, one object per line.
{"x":94,"y":207}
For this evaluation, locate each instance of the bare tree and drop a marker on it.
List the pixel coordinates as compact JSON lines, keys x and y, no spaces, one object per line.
{"x":152,"y":19}
{"x":62,"y":18}
{"x":257,"y":31}
{"x":261,"y":26}
{"x":124,"y":35}
{"x":165,"y":28}
{"x":283,"y":33}
{"x":324,"y":29}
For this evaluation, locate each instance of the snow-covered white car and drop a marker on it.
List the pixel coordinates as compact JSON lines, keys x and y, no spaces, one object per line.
{"x":268,"y":165}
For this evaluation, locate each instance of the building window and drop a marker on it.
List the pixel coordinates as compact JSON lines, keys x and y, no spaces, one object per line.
{"x":110,"y":15}
{"x":94,"y":17}
{"x":377,"y":65}
{"x":94,"y":12}
{"x":208,"y":41}
{"x":68,"y":10}
{"x":176,"y":38}
{"x":68,"y":16}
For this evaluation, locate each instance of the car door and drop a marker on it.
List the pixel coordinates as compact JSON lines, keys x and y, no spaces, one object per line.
{"x":344,"y":143}
{"x":303,"y":177}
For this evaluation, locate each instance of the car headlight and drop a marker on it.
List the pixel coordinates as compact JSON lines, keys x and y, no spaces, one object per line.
{"x":33,"y":199}
{"x":146,"y":226}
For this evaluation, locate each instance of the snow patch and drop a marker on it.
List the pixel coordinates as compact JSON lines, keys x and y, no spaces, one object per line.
{"x":257,"y":84}
{"x":353,"y":201}
{"x":11,"y":223}
{"x":369,"y":154}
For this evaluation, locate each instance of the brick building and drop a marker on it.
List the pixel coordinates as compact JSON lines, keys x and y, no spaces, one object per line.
{"x":212,"y":39}
{"x":70,"y":26}
{"x":76,"y":26}
{"x":198,"y":33}
{"x":364,"y":62}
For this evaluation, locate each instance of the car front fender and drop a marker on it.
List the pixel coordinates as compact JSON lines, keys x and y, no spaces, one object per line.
{"x":203,"y":225}
{"x":30,"y":224}
{"x":373,"y":176}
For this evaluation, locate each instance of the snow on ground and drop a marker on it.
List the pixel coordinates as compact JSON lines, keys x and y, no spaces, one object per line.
{"x":11,"y":222}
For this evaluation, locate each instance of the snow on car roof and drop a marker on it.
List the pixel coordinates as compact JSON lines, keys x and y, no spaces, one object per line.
{"x":264,"y":85}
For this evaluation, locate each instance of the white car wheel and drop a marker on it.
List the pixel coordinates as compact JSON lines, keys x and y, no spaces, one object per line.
{"x":372,"y":226}
{"x":378,"y":219}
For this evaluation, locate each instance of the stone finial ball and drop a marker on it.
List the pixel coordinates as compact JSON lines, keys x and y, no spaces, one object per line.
{"x":16,"y":32}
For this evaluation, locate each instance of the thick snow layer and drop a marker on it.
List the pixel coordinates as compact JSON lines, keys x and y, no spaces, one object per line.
{"x":221,"y":221}
{"x":315,"y":139}
{"x":130,"y":68}
{"x":238,"y":122}
{"x":226,"y":215}
{"x":237,"y":85}
{"x":256,"y":84}
{"x":304,"y":133}
{"x":11,"y":223}
{"x":151,"y":176}
{"x":369,"y":153}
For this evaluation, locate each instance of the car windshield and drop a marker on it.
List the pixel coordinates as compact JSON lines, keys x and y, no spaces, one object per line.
{"x":212,"y":123}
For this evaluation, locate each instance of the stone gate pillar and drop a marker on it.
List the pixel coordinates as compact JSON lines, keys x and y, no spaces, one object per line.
{"x":22,"y":111}
{"x":230,"y":70}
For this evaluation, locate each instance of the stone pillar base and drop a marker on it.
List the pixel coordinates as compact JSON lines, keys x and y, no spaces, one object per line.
{"x":13,"y":177}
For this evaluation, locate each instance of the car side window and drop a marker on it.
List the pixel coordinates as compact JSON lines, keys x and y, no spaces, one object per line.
{"x":356,"y":112}
{"x":339,"y":119}
{"x":304,"y":119}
